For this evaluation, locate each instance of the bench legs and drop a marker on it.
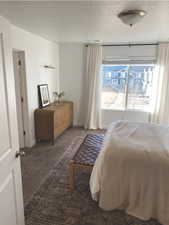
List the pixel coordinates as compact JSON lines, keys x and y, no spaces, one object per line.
{"x":72,"y":167}
{"x":71,"y":176}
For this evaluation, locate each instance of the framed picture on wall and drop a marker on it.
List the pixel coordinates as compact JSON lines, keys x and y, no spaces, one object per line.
{"x":43,"y":93}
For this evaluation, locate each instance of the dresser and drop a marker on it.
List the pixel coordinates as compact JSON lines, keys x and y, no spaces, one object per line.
{"x":52,"y":120}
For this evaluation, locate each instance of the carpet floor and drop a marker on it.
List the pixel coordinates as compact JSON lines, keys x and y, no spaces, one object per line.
{"x":54,"y":204}
{"x":41,"y":158}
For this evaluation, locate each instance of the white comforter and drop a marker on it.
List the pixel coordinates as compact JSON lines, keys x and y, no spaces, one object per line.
{"x":132,"y":171}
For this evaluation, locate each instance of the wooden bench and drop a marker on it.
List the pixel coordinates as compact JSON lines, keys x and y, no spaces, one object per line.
{"x":85,"y":156}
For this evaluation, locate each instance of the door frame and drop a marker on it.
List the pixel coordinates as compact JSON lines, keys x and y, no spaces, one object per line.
{"x":23,"y":88}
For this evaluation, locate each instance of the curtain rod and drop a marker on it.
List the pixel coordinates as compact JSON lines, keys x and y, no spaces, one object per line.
{"x":108,"y":45}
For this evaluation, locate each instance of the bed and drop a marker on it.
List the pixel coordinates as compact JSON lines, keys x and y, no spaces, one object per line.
{"x":132,"y":170}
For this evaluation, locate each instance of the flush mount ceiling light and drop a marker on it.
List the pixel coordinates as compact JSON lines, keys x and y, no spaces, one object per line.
{"x":131,"y":17}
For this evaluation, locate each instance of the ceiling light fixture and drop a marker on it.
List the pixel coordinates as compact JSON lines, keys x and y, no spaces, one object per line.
{"x":132,"y":17}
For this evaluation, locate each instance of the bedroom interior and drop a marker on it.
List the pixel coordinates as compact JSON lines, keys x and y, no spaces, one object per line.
{"x":84,"y":118}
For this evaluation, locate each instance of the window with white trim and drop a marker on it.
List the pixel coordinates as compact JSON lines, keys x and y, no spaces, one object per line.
{"x":127,"y":86}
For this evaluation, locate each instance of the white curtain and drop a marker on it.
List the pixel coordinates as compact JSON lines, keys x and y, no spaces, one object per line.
{"x":93,"y":87}
{"x":160,"y":112}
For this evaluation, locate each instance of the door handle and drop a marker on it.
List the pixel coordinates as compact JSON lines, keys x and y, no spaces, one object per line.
{"x":19,"y":153}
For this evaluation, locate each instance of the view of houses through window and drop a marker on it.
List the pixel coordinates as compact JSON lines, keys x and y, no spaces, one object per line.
{"x":127,"y":86}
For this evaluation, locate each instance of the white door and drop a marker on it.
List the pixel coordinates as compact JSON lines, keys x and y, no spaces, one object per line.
{"x":11,"y":199}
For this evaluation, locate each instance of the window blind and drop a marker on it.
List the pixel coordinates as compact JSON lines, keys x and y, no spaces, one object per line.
{"x":144,"y":54}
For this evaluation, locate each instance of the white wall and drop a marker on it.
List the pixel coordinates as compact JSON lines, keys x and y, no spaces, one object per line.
{"x":72,"y":74}
{"x":38,"y":52}
{"x":109,"y":116}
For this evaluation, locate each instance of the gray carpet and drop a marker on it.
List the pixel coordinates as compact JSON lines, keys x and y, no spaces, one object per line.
{"x":54,"y":204}
{"x":40,"y":159}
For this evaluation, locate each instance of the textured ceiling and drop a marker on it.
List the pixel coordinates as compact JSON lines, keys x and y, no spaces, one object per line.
{"x":83,"y":21}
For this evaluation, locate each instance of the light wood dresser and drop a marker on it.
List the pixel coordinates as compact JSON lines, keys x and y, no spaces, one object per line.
{"x":52,"y":120}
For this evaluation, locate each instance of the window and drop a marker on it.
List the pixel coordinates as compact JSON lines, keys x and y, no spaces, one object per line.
{"x":127,"y":86}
